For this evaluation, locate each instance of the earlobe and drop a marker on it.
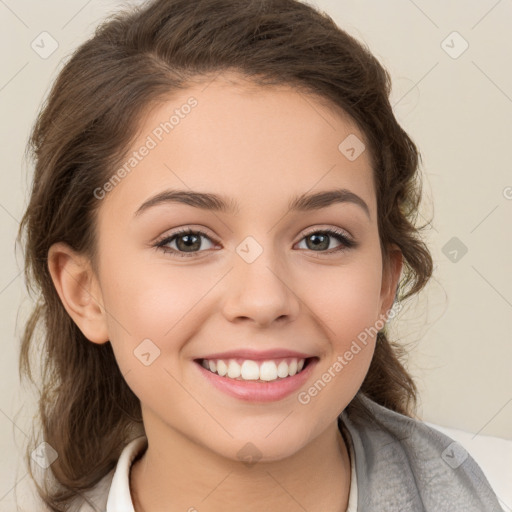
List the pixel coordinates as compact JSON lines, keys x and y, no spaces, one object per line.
{"x":79,"y":291}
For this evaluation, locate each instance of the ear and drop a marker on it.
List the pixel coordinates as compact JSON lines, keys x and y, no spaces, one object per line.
{"x":79,"y":291}
{"x":390,"y":278}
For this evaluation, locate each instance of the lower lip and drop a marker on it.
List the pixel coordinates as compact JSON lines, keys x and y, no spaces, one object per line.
{"x":259,"y":391}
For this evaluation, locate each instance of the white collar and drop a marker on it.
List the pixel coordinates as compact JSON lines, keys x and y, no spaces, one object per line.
{"x":119,"y":496}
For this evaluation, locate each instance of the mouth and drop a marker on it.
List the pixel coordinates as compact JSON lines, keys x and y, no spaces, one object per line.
{"x":268,"y":370}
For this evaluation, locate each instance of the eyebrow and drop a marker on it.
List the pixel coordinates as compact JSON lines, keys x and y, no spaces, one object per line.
{"x":214,"y":202}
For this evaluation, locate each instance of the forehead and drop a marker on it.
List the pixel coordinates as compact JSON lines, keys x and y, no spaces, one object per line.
{"x":258,"y":144}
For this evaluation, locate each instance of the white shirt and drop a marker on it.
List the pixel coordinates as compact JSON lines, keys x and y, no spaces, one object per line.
{"x":119,"y":496}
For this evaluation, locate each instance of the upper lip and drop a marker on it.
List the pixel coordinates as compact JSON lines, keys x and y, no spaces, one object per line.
{"x":257,"y":354}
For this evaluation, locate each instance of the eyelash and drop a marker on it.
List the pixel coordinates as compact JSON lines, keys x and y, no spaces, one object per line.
{"x":340,"y":236}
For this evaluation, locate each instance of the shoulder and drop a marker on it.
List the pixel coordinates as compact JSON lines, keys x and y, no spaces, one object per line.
{"x":404,"y":464}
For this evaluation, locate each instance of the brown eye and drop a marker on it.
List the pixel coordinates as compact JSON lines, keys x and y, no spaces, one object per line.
{"x":188,"y":242}
{"x":320,"y":240}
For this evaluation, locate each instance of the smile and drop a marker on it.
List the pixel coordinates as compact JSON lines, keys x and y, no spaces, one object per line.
{"x":250,"y":380}
{"x":248,"y":369}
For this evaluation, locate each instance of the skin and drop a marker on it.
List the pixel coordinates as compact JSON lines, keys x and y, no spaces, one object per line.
{"x":260,"y":147}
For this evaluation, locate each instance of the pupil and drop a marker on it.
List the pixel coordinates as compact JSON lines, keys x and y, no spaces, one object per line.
{"x":189,"y":241}
{"x":319,"y":243}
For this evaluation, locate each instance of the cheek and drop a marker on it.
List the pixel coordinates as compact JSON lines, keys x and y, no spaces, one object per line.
{"x":348,"y":299}
{"x":149,"y":295}
{"x":155,"y":307}
{"x":349,"y":313}
{"x":350,"y":310}
{"x":151,"y":317}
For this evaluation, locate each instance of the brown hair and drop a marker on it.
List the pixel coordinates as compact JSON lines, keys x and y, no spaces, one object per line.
{"x":87,"y":411}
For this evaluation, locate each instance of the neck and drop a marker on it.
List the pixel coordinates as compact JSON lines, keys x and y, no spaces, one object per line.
{"x":178,"y":474}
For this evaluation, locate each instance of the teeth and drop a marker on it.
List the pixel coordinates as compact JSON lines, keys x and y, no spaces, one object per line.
{"x":234,"y":369}
{"x":268,"y":371}
{"x":254,"y":370}
{"x":282,"y":369}
{"x":222,"y":368}
{"x":250,"y":370}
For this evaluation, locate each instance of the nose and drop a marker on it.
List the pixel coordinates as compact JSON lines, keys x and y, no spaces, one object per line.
{"x":261,"y":291}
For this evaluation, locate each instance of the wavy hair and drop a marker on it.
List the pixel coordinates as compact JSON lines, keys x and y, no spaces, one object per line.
{"x":91,"y":115}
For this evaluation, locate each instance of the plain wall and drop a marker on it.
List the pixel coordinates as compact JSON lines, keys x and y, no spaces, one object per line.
{"x":457,"y":109}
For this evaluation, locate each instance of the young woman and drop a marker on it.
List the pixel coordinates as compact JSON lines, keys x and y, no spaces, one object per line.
{"x":222,"y":216}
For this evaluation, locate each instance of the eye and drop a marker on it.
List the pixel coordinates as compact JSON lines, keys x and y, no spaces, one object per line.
{"x":187,"y":240}
{"x":320,"y":239}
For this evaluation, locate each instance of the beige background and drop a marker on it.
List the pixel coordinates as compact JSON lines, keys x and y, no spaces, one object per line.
{"x":456,"y":106}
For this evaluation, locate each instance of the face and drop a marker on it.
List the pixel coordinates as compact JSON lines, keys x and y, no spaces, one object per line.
{"x":257,"y":275}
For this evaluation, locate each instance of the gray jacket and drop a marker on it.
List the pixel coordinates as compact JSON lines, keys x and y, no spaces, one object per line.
{"x":403,"y":465}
